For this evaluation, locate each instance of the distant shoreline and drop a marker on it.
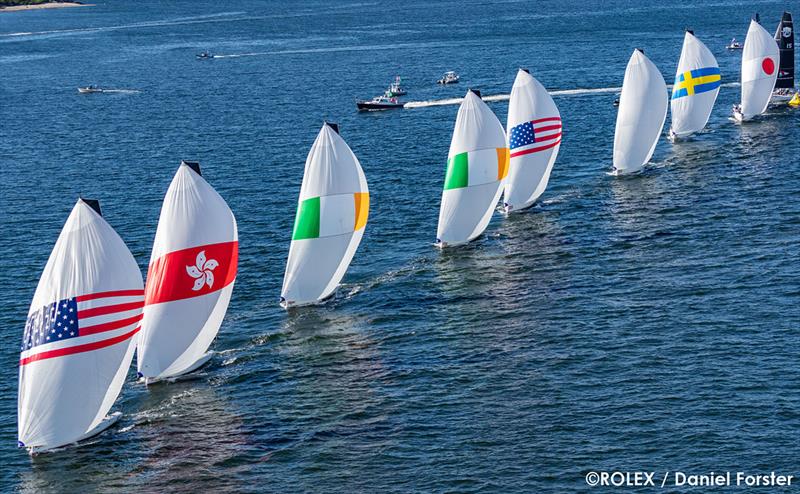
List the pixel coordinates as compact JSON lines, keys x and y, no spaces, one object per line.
{"x":48,"y":5}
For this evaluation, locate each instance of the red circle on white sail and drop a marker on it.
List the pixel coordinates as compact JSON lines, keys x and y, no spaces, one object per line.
{"x":768,"y":66}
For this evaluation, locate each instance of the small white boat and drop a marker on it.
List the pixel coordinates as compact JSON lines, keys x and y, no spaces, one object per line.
{"x":642,"y":112}
{"x":759,"y":72}
{"x":331,"y":217}
{"x":449,"y":77}
{"x":395,"y":89}
{"x":734,"y":45}
{"x":205,"y":55}
{"x":89,"y":89}
{"x":80,"y":334}
{"x":477,"y":165}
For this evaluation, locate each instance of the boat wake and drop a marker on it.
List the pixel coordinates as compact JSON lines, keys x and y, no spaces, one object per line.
{"x":122,"y":91}
{"x":506,"y":97}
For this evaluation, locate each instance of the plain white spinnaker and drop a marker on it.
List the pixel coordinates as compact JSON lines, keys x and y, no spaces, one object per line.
{"x":80,"y":334}
{"x":190,"y":279}
{"x":534,"y":138}
{"x":477,"y":166}
{"x":760,"y":59}
{"x":641,"y":116}
{"x":331,"y":215}
{"x":696,"y":88}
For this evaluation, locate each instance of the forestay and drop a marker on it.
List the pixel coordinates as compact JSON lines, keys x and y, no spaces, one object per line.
{"x":79,"y":335}
{"x":642,"y":112}
{"x":477,"y":165}
{"x":759,"y":71}
{"x":331,"y":215}
{"x":190,"y":278}
{"x":696,"y":88}
{"x":534,"y":138}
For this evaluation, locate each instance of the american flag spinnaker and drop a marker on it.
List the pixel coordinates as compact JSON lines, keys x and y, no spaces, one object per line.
{"x":534,"y":138}
{"x":80,"y":333}
{"x":641,"y":115}
{"x":331,"y":216}
{"x":190,"y":279}
{"x":477,"y":165}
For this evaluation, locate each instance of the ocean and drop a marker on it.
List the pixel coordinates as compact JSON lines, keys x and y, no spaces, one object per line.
{"x":647,"y":323}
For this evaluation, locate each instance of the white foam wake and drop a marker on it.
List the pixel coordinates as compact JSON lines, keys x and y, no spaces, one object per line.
{"x":505,"y":97}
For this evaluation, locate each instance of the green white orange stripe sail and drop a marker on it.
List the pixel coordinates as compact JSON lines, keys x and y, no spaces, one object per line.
{"x":331,"y":215}
{"x":477,"y":166}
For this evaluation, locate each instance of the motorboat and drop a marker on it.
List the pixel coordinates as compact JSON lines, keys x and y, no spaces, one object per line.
{"x":89,"y":89}
{"x":449,"y":77}
{"x":205,"y":55}
{"x":395,"y":89}
{"x":734,"y":45}
{"x":382,"y":102}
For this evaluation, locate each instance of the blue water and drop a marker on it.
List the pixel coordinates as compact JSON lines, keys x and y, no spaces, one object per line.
{"x":645,"y":323}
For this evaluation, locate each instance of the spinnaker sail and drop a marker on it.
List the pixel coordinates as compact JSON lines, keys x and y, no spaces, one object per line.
{"x":784,"y":35}
{"x":190,"y":278}
{"x":331,"y":215}
{"x":759,"y":72}
{"x":477,"y":166}
{"x":80,"y":333}
{"x":534,"y":138}
{"x":641,"y":116}
{"x":696,"y":88}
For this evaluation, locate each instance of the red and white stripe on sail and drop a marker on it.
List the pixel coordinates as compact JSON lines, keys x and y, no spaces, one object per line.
{"x":546,"y":134}
{"x":82,"y":324}
{"x":80,"y":334}
{"x":534,"y":138}
{"x":190,"y":278}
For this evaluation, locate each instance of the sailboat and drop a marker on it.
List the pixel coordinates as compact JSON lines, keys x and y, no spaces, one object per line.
{"x":759,"y":72}
{"x":641,"y":116}
{"x":534,"y":138}
{"x":477,"y":166}
{"x":784,"y":84}
{"x":190,"y":278}
{"x":80,"y":334}
{"x":695,"y":90}
{"x":331,"y":215}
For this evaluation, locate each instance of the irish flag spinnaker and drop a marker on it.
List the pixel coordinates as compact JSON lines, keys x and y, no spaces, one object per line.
{"x":477,"y":165}
{"x":331,"y":215}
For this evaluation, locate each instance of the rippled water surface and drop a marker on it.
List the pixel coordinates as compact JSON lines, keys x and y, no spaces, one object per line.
{"x":644,"y":323}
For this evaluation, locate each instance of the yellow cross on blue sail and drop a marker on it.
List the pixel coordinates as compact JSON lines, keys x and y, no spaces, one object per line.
{"x":696,"y":81}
